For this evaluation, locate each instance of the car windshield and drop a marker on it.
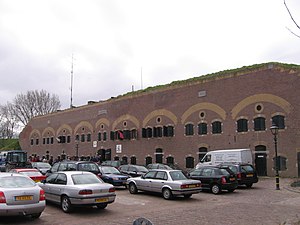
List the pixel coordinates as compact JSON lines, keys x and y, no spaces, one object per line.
{"x":31,"y":173}
{"x":110,"y":170}
{"x":16,"y":182}
{"x":178,"y":175}
{"x":85,"y":179}
{"x":233,"y":169}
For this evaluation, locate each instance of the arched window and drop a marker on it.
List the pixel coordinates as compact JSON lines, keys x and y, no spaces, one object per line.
{"x":159,"y":155}
{"x":278,"y":120}
{"x":124,"y":160}
{"x":242,"y":125}
{"x":216,"y":127}
{"x":170,"y":160}
{"x":259,"y":124}
{"x":133,"y":160}
{"x":281,"y":163}
{"x":202,"y":128}
{"x":202,"y":152}
{"x":189,"y":129}
{"x":148,"y":160}
{"x":189,"y":162}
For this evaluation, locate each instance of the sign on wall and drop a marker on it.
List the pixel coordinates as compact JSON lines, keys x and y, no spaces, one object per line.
{"x":118,"y":148}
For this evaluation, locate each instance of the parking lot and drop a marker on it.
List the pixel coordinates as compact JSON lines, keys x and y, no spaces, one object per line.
{"x":261,"y":204}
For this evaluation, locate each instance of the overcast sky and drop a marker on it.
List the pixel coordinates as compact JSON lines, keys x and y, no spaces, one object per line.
{"x":118,"y":45}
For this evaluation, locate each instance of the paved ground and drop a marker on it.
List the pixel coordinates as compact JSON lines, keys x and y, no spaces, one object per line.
{"x":261,"y":204}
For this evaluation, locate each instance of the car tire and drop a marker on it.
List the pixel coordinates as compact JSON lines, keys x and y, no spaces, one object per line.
{"x":101,"y":206}
{"x":215,"y":189}
{"x":167,"y":194}
{"x":36,"y":215}
{"x":187,"y":196}
{"x":249,"y":185}
{"x":132,"y":188}
{"x":66,"y":205}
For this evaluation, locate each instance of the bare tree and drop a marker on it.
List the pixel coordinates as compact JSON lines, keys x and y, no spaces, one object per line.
{"x":294,"y":21}
{"x":8,"y":123}
{"x":33,"y":103}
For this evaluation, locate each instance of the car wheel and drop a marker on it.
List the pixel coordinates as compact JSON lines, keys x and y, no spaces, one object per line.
{"x":66,"y":205}
{"x":249,"y":185}
{"x":167,"y":194}
{"x":101,"y":206}
{"x":132,"y":188}
{"x":215,"y":189}
{"x":36,"y":215}
{"x":187,"y":196}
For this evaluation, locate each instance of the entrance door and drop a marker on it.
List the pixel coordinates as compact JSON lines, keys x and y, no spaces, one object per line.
{"x":261,"y":160}
{"x":159,"y":155}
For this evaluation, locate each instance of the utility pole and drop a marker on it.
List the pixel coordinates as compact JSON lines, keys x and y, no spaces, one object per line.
{"x":71,"y":104}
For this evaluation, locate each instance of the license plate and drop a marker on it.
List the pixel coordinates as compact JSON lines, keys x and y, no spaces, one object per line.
{"x":249,"y":175}
{"x":192,"y":186}
{"x":232,"y":179}
{"x":24,"y":198}
{"x":101,"y":200}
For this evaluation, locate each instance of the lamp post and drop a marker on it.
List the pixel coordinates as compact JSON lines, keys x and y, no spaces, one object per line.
{"x":274,"y":129}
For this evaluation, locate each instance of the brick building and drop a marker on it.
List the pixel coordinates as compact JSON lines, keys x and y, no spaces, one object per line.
{"x":179,"y":122}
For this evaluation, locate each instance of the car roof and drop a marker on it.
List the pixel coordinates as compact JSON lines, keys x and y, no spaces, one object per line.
{"x":8,"y":174}
{"x":165,"y":170}
{"x":26,"y":170}
{"x":73,"y":172}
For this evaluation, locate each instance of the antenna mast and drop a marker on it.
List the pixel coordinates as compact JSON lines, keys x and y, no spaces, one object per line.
{"x":71,"y":104}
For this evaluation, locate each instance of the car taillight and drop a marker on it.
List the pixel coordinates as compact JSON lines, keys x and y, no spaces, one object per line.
{"x":223,"y":180}
{"x":85,"y":192}
{"x":112,"y":189}
{"x":183,"y":186}
{"x":239,"y":176}
{"x":42,"y":195}
{"x":2,"y":197}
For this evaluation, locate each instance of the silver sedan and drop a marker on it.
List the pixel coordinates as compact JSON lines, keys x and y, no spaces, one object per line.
{"x":168,"y":182}
{"x":77,"y":188}
{"x":20,"y":196}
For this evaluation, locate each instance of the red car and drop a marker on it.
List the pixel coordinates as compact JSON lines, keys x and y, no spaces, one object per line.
{"x":34,"y":174}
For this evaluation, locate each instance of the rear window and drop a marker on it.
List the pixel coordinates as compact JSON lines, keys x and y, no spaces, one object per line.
{"x":224,"y":172}
{"x":247,"y":168}
{"x":85,"y":179}
{"x":16,"y":182}
{"x":88,"y":167}
{"x":177,"y":175}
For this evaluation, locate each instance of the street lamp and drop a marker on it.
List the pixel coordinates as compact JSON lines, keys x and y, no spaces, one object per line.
{"x":274,"y":129}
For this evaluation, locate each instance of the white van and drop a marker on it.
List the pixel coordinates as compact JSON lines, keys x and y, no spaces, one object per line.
{"x":224,"y":156}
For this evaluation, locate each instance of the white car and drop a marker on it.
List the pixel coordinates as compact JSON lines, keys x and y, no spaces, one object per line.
{"x":168,"y":182}
{"x":77,"y":188}
{"x":20,"y":195}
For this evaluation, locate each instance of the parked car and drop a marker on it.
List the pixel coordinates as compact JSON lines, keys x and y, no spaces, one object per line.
{"x":74,"y":166}
{"x":112,"y":175}
{"x":158,"y":166}
{"x":168,"y":182}
{"x":245,"y":173}
{"x":34,"y":174}
{"x":114,"y":163}
{"x":43,"y":167}
{"x":20,"y":195}
{"x":77,"y":188}
{"x":215,"y":178}
{"x":133,"y":170}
